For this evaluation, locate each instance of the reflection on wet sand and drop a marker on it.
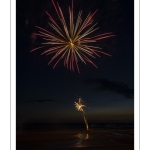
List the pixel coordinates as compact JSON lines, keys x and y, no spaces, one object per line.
{"x":82,"y":137}
{"x":87,"y":136}
{"x":74,"y":139}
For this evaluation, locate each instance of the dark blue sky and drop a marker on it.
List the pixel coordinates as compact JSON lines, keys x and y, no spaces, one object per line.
{"x":47,"y":95}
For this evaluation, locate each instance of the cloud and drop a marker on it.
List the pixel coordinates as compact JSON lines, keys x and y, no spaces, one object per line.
{"x":39,"y":101}
{"x":43,"y":101}
{"x":107,"y":85}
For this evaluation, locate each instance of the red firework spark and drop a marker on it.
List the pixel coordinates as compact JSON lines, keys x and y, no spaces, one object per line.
{"x":71,"y":44}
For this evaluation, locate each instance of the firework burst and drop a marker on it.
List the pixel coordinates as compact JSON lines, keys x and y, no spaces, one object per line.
{"x":79,"y":106}
{"x":70,"y":42}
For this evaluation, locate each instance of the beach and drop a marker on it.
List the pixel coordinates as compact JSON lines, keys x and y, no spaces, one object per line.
{"x":73,"y":139}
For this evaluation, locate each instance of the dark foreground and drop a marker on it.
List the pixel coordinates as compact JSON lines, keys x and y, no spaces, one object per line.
{"x":73,"y":139}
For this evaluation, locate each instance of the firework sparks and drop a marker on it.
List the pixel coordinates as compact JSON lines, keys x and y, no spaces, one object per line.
{"x":79,"y":106}
{"x":70,"y":43}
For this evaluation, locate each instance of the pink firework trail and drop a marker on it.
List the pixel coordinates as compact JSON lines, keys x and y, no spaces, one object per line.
{"x":70,"y":44}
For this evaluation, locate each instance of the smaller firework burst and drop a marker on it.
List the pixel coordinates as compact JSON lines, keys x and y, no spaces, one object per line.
{"x":79,"y":106}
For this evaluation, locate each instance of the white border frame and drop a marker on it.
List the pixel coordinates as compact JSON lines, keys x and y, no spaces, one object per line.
{"x":144,"y":75}
{"x":12,"y":14}
{"x":5,"y":75}
{"x":13,"y":75}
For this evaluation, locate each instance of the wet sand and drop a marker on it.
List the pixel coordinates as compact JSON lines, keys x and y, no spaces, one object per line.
{"x":73,"y":139}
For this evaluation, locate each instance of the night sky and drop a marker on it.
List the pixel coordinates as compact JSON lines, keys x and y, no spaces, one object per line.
{"x":44,"y":94}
